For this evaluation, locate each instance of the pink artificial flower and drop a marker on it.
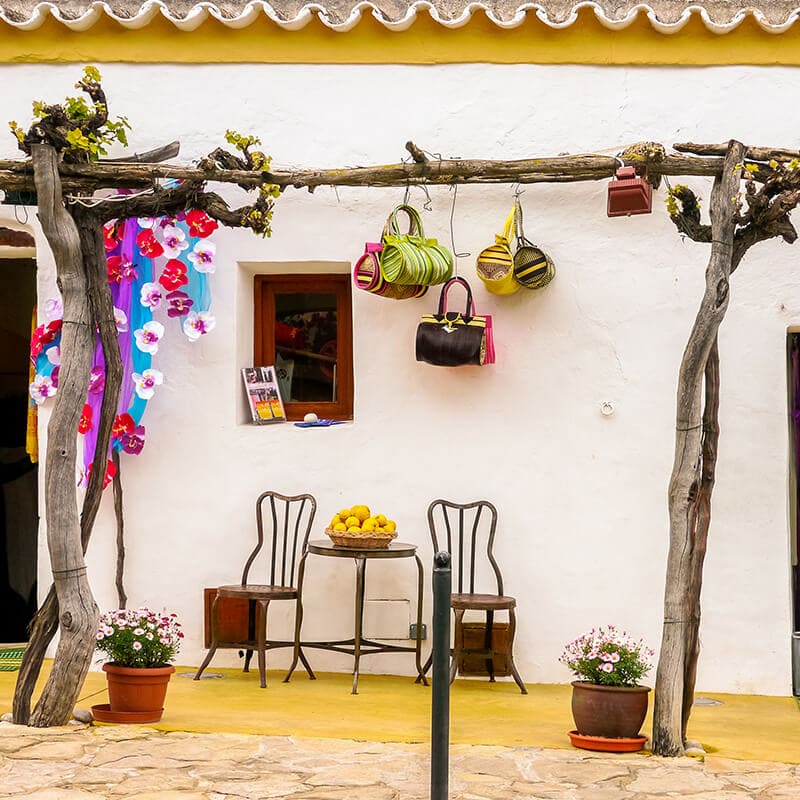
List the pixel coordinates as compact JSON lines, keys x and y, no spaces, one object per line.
{"x":151,"y":295}
{"x":148,"y":336}
{"x":120,"y":270}
{"x":42,"y":388}
{"x":174,"y":241}
{"x":198,"y":324}
{"x":146,"y":382}
{"x":202,"y":256}
{"x":53,"y":309}
{"x":121,"y":319}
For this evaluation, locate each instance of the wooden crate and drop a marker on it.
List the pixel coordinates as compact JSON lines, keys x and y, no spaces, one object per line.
{"x":473,"y":637}
{"x":232,"y":618}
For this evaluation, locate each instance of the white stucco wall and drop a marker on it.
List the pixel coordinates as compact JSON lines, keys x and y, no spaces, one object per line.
{"x":582,"y":497}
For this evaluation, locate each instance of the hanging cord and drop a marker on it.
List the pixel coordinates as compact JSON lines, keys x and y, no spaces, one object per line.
{"x":16,"y":215}
{"x":91,"y":202}
{"x":456,"y":254}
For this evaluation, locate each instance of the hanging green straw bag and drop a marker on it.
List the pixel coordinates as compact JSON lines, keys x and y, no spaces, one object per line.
{"x":533,"y":268}
{"x":410,"y":258}
{"x":495,"y":264}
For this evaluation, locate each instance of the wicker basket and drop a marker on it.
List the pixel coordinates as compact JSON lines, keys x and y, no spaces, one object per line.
{"x":11,"y":657}
{"x":363,"y":540}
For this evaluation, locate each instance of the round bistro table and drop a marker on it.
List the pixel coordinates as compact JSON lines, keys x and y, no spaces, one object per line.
{"x":359,"y":646}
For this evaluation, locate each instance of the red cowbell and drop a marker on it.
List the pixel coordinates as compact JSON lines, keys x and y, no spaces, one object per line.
{"x":628,"y":194}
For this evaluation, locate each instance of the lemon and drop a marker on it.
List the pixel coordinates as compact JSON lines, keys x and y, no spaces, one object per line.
{"x":339,"y":526}
{"x":354,"y":529}
{"x":352,"y":521}
{"x":334,"y":521}
{"x":369,"y":524}
{"x":362,"y":512}
{"x":380,"y":519}
{"x":390,"y":526}
{"x":344,"y":513}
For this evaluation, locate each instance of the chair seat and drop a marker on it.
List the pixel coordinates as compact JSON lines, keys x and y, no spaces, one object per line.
{"x":483,"y":602}
{"x":257,"y":591}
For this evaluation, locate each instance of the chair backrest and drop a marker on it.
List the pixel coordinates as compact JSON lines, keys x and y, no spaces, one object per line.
{"x":284,"y":525}
{"x":466,"y":531}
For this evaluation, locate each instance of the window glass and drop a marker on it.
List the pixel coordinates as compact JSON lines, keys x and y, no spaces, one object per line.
{"x":305,"y":346}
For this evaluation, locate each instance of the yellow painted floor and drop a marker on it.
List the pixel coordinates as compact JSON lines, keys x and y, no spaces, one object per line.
{"x":391,"y":708}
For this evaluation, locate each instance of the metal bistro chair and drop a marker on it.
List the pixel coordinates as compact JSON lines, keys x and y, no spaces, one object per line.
{"x":466,"y":526}
{"x":287,"y":540}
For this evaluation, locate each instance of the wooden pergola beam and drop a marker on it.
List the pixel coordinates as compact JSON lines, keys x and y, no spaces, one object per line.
{"x":18,"y":176}
{"x":705,"y":161}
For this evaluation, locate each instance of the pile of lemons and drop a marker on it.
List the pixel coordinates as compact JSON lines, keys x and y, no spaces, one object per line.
{"x":359,"y":519}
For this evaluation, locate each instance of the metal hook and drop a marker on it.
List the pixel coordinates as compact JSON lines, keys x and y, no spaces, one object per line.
{"x":621,"y":162}
{"x":428,"y":204}
{"x":456,"y":255}
{"x":517,"y":190}
{"x":407,"y":193}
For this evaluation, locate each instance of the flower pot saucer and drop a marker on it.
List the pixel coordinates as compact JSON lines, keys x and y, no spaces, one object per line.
{"x":605,"y":745}
{"x":103,"y":713}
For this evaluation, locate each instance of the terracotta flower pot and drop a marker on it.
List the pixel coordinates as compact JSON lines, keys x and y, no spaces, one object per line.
{"x":138,"y":690}
{"x":612,"y":712}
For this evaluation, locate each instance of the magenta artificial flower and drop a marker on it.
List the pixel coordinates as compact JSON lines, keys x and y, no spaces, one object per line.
{"x":97,"y":380}
{"x":179,"y":304}
{"x":133,"y":442}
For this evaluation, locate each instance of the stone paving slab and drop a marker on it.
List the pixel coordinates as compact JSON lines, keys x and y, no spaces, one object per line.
{"x":139,"y":763}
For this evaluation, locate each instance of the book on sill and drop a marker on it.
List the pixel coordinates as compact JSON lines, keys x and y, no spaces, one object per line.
{"x":263,"y":395}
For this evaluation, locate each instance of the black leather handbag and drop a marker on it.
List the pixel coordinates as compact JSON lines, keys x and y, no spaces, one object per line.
{"x":453,"y":338}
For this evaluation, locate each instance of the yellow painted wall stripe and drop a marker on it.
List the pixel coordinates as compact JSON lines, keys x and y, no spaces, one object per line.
{"x":425,"y":42}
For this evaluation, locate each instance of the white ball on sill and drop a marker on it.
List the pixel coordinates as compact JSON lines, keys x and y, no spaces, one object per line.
{"x":311,"y":417}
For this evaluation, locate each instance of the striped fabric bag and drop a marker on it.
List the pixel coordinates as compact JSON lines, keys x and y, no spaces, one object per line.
{"x":409,"y":258}
{"x":533,"y":268}
{"x":495,"y":264}
{"x":367,"y":276}
{"x":11,"y":657}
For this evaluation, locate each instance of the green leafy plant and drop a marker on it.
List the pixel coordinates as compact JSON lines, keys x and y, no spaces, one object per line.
{"x":79,"y":129}
{"x":608,"y":657}
{"x":139,"y":638}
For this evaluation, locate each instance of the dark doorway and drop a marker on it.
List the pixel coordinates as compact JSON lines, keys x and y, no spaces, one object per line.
{"x":19,"y":515}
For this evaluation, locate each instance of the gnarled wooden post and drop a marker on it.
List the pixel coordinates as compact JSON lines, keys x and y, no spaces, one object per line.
{"x":686,"y":479}
{"x":78,"y":615}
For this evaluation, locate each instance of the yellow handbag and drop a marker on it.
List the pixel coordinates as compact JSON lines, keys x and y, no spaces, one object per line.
{"x":495,"y":264}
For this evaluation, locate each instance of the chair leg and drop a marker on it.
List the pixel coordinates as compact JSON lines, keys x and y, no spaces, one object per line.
{"x":458,"y":637}
{"x":512,"y":627}
{"x":261,"y":638}
{"x":247,"y":657}
{"x":425,"y":668}
{"x":214,"y":642}
{"x":489,"y":645}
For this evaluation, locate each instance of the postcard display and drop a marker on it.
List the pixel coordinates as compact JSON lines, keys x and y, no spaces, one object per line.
{"x":263,"y":395}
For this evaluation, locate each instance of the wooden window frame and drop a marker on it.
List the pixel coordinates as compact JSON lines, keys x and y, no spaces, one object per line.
{"x":265,"y":289}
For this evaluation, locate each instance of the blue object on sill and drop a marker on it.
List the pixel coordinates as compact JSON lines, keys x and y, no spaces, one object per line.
{"x":320,"y":423}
